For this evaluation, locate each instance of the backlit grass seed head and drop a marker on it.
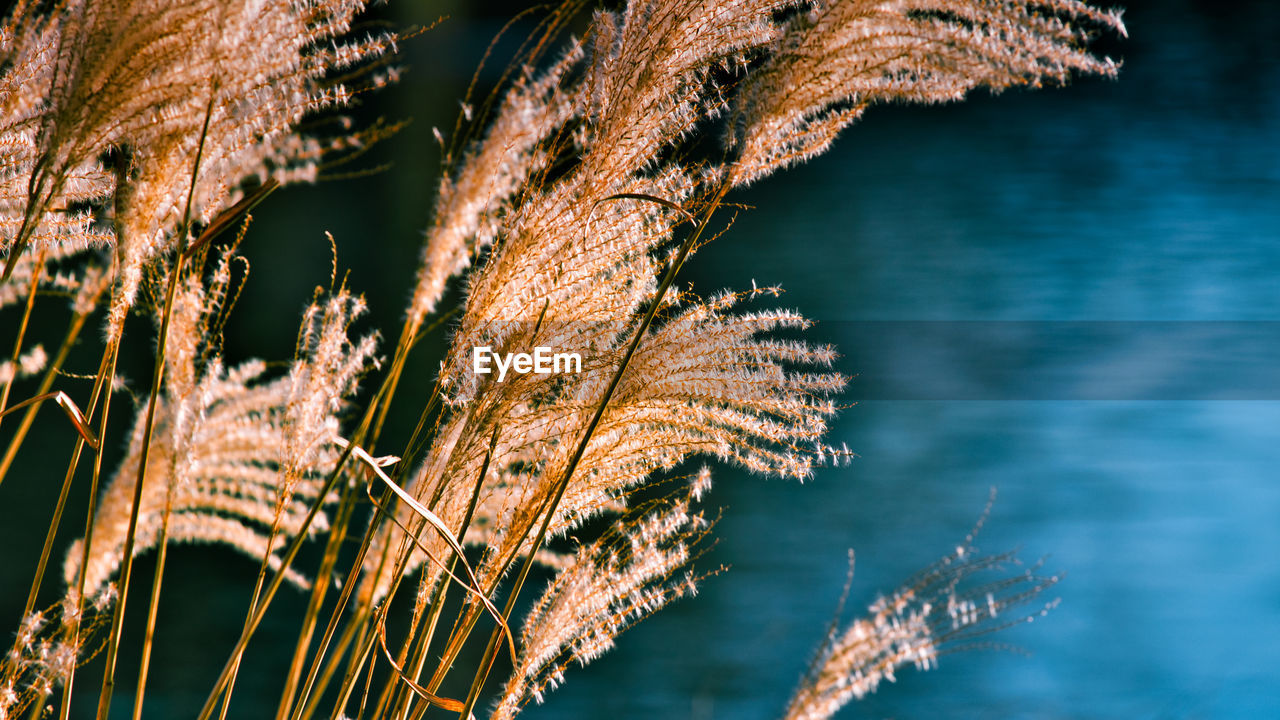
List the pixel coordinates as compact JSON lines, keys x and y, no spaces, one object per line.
{"x":29,"y":363}
{"x":232,"y":453}
{"x":43,"y":657}
{"x":707,"y":381}
{"x":840,"y":56}
{"x":945,"y":606}
{"x":153,"y":84}
{"x":488,"y":177}
{"x":629,"y":573}
{"x":637,"y":89}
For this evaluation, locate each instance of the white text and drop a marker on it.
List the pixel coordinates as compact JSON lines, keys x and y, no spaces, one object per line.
{"x":542,"y":361}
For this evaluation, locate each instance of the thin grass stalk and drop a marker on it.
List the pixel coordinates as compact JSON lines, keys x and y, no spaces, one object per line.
{"x":370,"y":626}
{"x":342,"y":518}
{"x":408,"y":338}
{"x":404,"y":698}
{"x":48,"y":541}
{"x":471,"y":583}
{"x":103,"y":382}
{"x":47,"y":548}
{"x":364,"y":612}
{"x":373,"y":663}
{"x":195,"y":248}
{"x":28,"y":418}
{"x":418,"y":438}
{"x":286,"y":560}
{"x":291,"y":552}
{"x":262,"y":573}
{"x":470,"y":615}
{"x":38,"y":709}
{"x":403,"y":345}
{"x":463,"y":625}
{"x":257,"y":593}
{"x":437,"y":607}
{"x":410,"y":334}
{"x":416,"y":617}
{"x":312,"y":691}
{"x":458,"y":138}
{"x":304,"y":709}
{"x":365,"y":644}
{"x":117,"y":618}
{"x":126,"y":563}
{"x":490,"y":654}
{"x":22,"y":331}
{"x":309,"y":702}
{"x":402,"y":657}
{"x":348,"y":684}
{"x":102,"y":388}
{"x":153,"y":608}
{"x":418,"y":711}
{"x":251,"y":626}
{"x":282,"y":499}
{"x":427,"y":633}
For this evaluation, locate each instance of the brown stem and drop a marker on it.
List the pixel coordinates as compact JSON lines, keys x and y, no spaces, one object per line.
{"x":28,"y":418}
{"x":22,"y":329}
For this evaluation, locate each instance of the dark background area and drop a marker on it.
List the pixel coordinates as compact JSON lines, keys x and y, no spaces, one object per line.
{"x":1145,"y":201}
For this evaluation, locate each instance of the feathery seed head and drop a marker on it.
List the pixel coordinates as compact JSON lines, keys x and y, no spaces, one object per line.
{"x":842,"y":56}
{"x":942,"y":607}
{"x":231,"y":453}
{"x":629,"y":573}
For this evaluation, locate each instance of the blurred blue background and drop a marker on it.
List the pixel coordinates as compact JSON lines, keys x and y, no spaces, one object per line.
{"x":1070,"y":295}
